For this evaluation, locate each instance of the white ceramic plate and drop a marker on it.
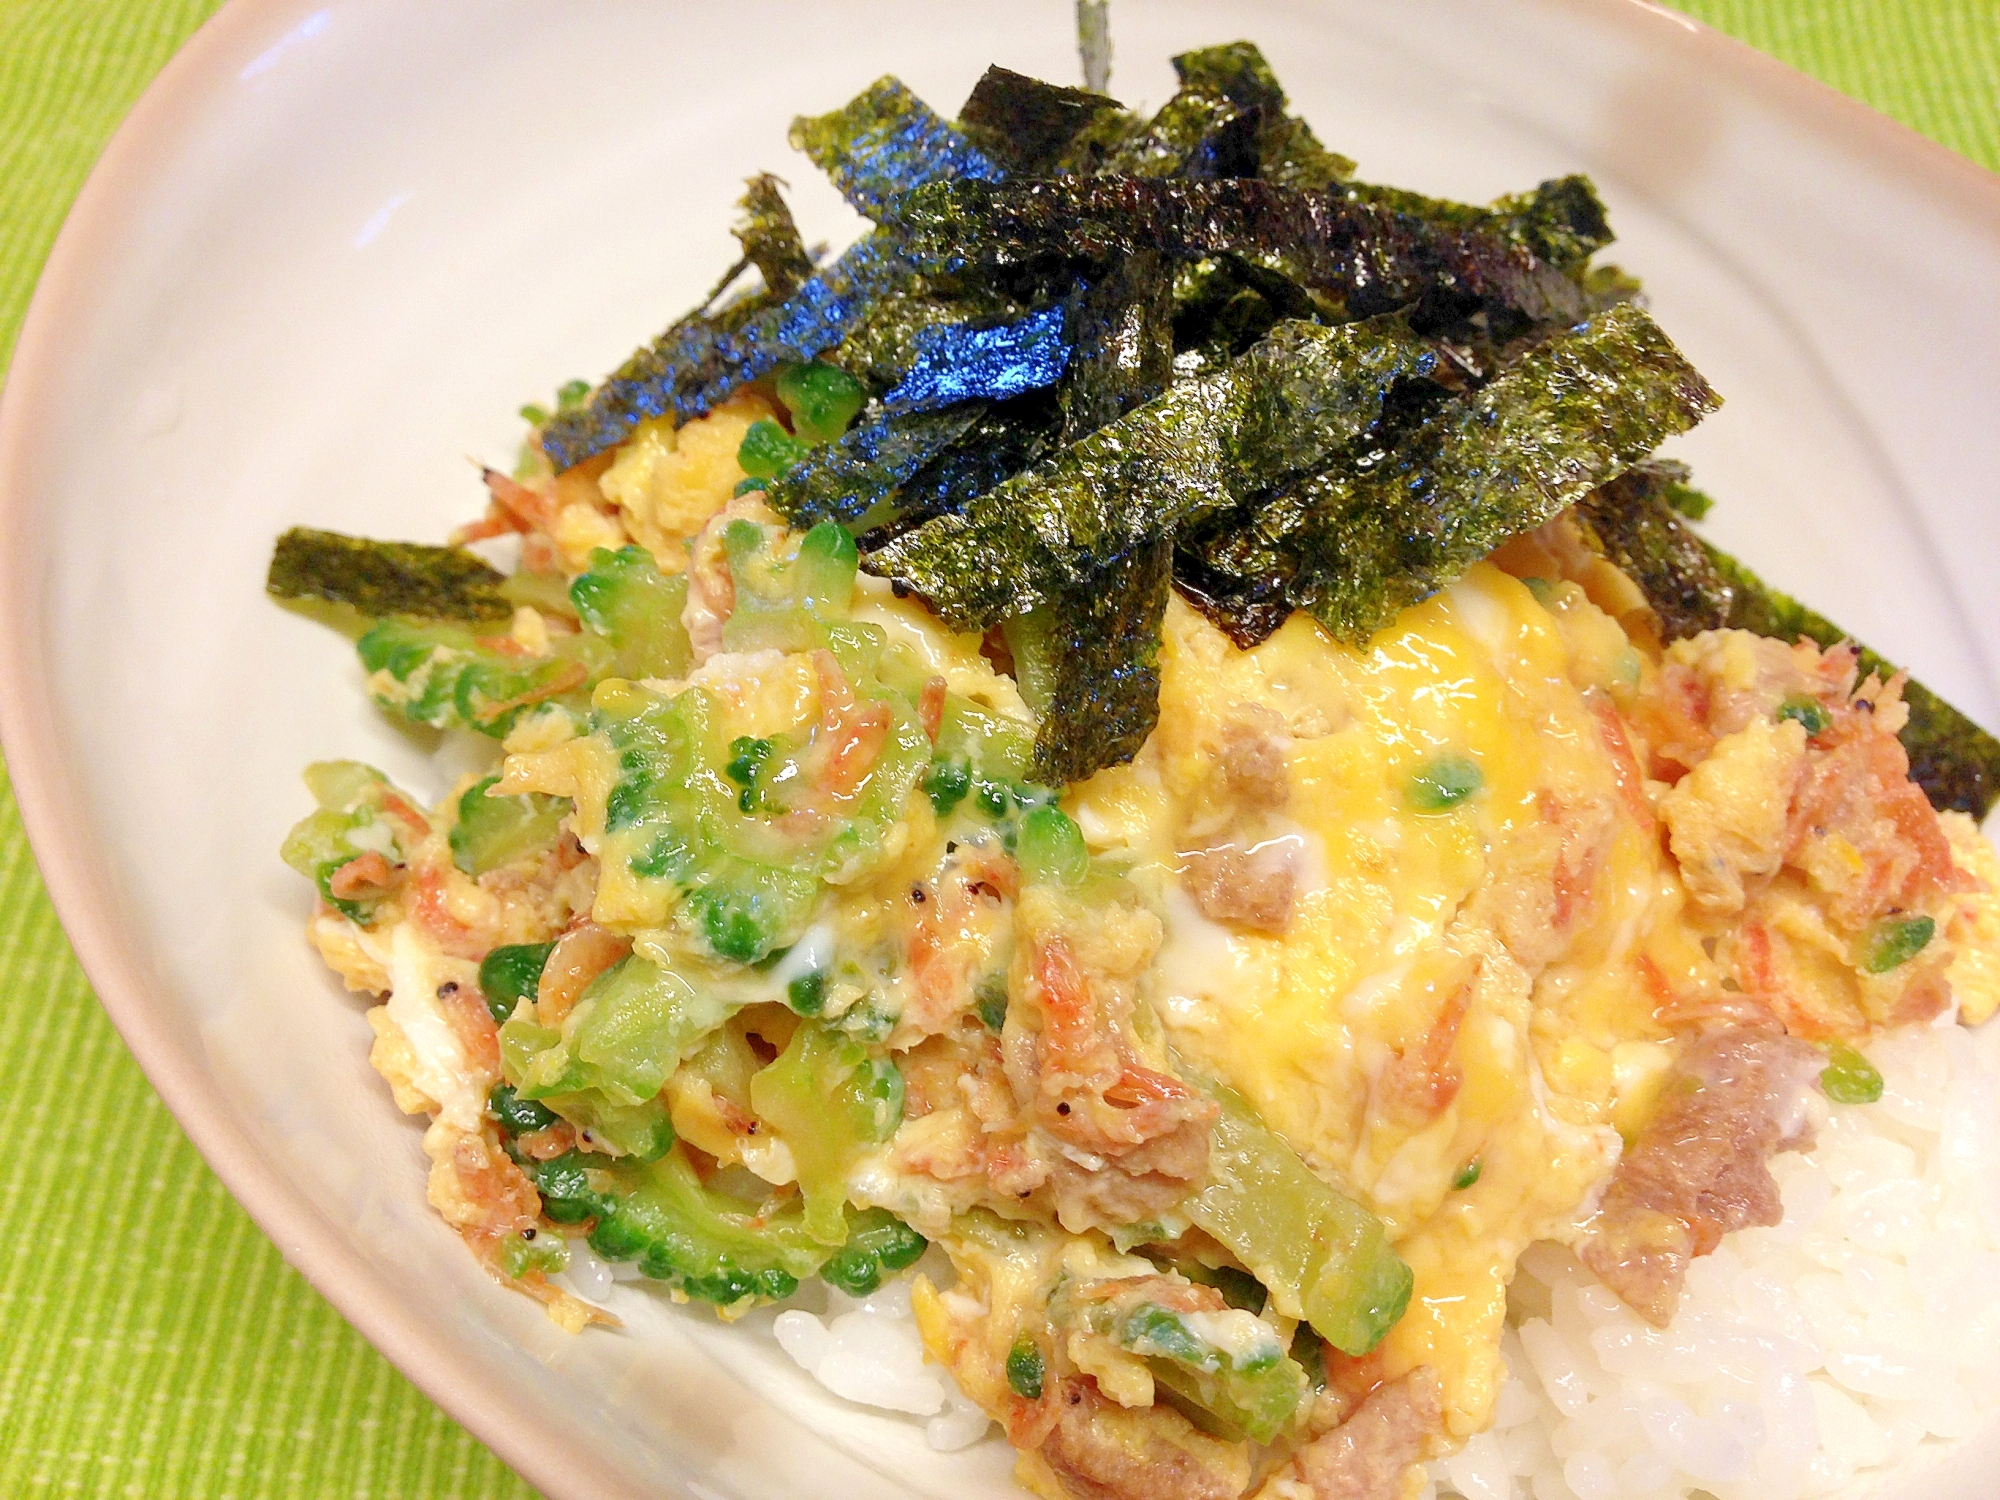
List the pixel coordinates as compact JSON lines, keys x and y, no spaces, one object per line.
{"x":337,"y":244}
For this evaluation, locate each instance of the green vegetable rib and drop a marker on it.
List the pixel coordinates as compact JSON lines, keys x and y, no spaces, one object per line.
{"x":709,"y":1246}
{"x":1322,"y":1256}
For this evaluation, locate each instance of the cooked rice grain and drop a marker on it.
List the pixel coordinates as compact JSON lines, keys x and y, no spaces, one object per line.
{"x":1834,"y":1346}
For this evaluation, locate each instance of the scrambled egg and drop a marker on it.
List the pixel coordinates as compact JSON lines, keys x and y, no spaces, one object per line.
{"x":1489,"y":947}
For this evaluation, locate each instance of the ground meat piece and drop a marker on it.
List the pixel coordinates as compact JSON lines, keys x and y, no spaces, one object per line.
{"x":1099,"y":1450}
{"x":1253,"y":887}
{"x":1252,"y":758}
{"x":1697,"y":1170}
{"x":1368,"y":1456}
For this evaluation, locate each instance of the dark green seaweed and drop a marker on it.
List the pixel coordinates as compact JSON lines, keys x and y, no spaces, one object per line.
{"x":1122,"y":332}
{"x":847,"y":479}
{"x":1376,"y":259}
{"x":1025,"y":125}
{"x":1694,"y":586}
{"x":1634,"y":521}
{"x":1196,"y":134}
{"x":886,"y":340}
{"x":1008,"y":438}
{"x":1568,"y":415}
{"x":1224,"y":304}
{"x":1101,"y":649}
{"x":1561,"y":222}
{"x":957,"y":362}
{"x":386,"y":578}
{"x":704,"y":358}
{"x":1288,"y":152}
{"x":770,"y":239}
{"x":884,"y":142}
{"x":1198,"y":449}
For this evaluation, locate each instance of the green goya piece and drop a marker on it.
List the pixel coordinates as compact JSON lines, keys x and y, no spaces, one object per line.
{"x":1693,"y":587}
{"x":878,"y":1244}
{"x":493,"y":832}
{"x":710,"y":848}
{"x":624,"y":599}
{"x":828,"y":1100}
{"x":446,"y":676}
{"x":386,"y":578}
{"x":1252,"y":1395}
{"x":1323,"y":1257}
{"x":350,"y":822}
{"x":712,"y":1247}
{"x":698,"y":1241}
{"x":512,"y":973}
{"x":624,"y":1037}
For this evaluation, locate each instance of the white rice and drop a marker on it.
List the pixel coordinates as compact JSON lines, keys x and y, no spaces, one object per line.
{"x":1831,"y":1348}
{"x":867,"y":1350}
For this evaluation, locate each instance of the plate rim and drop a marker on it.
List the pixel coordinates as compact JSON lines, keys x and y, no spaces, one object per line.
{"x":54,"y":812}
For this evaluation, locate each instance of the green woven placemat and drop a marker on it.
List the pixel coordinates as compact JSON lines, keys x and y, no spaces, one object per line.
{"x":152,"y":1342}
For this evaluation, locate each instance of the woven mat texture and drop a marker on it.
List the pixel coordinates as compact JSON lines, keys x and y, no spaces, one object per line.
{"x":152,"y":1342}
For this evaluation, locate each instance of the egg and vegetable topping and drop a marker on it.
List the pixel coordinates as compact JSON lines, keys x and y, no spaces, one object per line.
{"x":1154,"y":727}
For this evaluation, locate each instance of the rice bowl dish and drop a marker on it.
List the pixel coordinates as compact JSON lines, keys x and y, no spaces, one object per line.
{"x":1048,"y":915}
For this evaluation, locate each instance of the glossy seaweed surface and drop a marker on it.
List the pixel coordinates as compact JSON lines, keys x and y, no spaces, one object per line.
{"x":1108,"y":354}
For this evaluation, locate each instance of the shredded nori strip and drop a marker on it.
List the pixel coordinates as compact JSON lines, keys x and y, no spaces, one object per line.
{"x":846,"y":479}
{"x":882,"y":346}
{"x":1570,"y":414}
{"x":1376,"y":259}
{"x":1694,"y":586}
{"x":1102,"y":645}
{"x":1122,"y":327}
{"x":884,"y":142}
{"x":1198,"y":449}
{"x":1288,"y":152}
{"x":770,"y":239}
{"x":1196,"y":134}
{"x":386,"y":578}
{"x":1634,"y":522}
{"x":1561,"y":222}
{"x":954,"y":362}
{"x":1008,"y":438}
{"x":1025,"y":125}
{"x":702,"y":360}
{"x":1223,"y":305}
